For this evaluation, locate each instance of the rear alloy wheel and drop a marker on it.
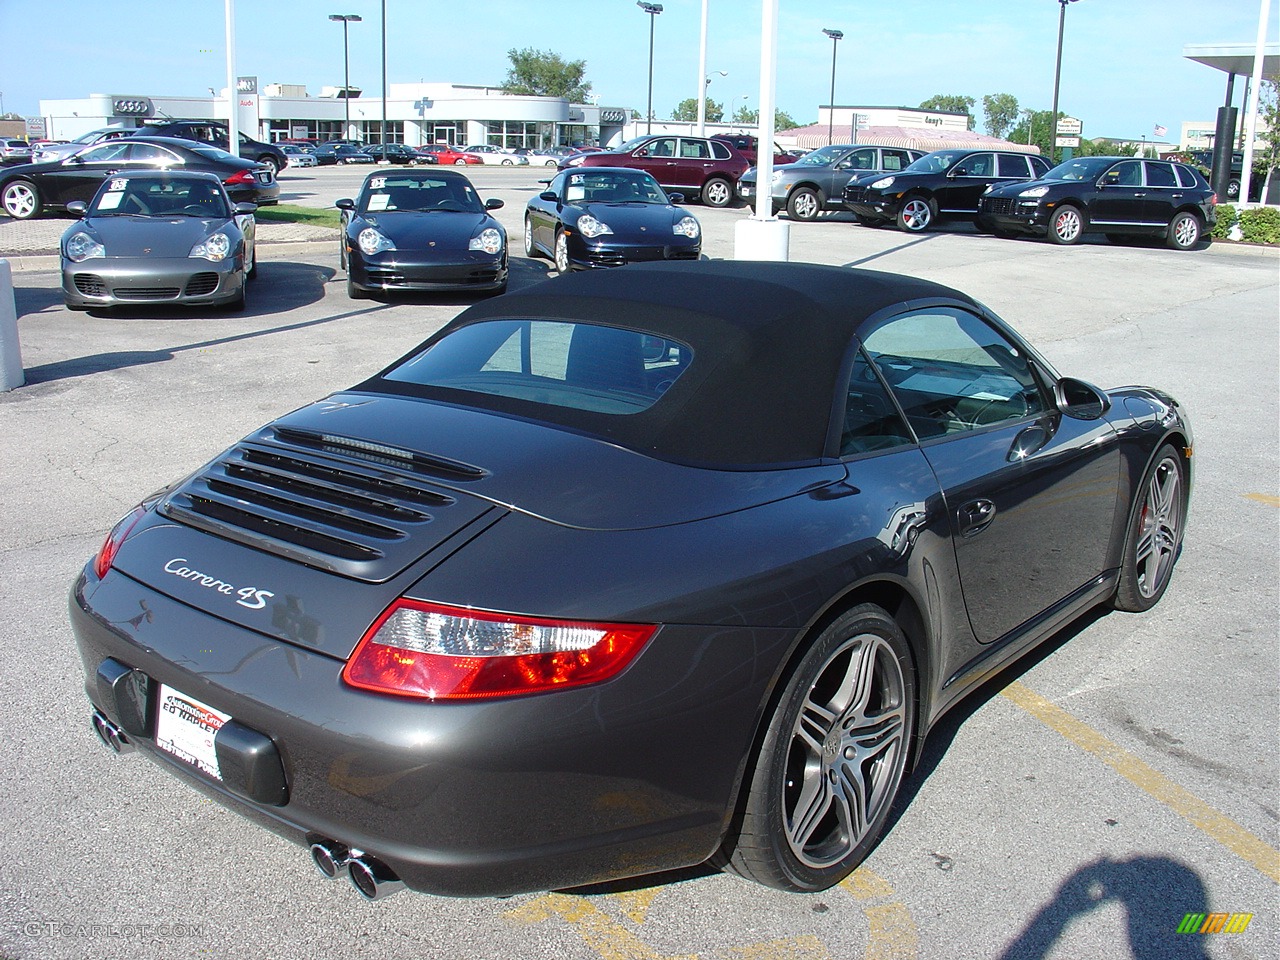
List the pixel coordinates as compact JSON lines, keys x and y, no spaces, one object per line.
{"x":529,"y":250}
{"x":1155,"y":534}
{"x":1067,"y":225}
{"x":1184,"y":231}
{"x":832,"y":760}
{"x":272,"y":164}
{"x":916,"y":215}
{"x":508,"y":163}
{"x":21,"y":200}
{"x":717,"y":192}
{"x":562,"y":252}
{"x":804,"y":204}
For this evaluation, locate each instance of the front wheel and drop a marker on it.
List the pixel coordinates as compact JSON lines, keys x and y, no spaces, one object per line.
{"x":1155,"y":534}
{"x":717,"y":192}
{"x":529,"y":249}
{"x":1184,"y":231}
{"x":833,"y":758}
{"x":1067,"y":225}
{"x":916,"y":215}
{"x":21,"y":200}
{"x":562,"y":252}
{"x":804,"y":204}
{"x":459,"y":162}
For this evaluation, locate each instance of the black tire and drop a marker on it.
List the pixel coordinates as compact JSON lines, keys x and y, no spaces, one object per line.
{"x":252,"y":272}
{"x":717,"y":192}
{"x":916,"y":214}
{"x":561,"y":254}
{"x":804,"y":203}
{"x":831,"y":763}
{"x":1184,"y":232}
{"x":869,"y":221}
{"x":1233,"y":189}
{"x":21,"y":200}
{"x":1154,"y":540}
{"x":271,"y":163}
{"x":529,"y":249}
{"x":354,"y":292}
{"x":1066,"y":226}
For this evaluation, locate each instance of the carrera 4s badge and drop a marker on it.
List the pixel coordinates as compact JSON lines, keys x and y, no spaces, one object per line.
{"x":250,"y":597}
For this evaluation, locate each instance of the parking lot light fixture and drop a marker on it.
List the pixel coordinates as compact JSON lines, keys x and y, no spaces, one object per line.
{"x":346,"y":18}
{"x":652,"y":9}
{"x":836,"y":36}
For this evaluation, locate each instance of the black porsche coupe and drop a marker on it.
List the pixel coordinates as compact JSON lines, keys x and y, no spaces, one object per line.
{"x":628,"y":571}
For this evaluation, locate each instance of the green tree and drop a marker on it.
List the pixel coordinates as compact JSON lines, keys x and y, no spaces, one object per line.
{"x":951,"y":103}
{"x":1001,"y":112}
{"x":541,"y":73}
{"x":1034,"y":128}
{"x":746,"y":117}
{"x":782,"y":121}
{"x":687,"y":110}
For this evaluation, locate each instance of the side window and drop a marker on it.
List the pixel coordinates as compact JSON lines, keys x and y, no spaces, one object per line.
{"x":979,"y":165}
{"x":694,"y":149}
{"x":895,"y":160}
{"x":1125,"y":174}
{"x":1014,"y":168}
{"x":662,"y":148}
{"x":1160,"y":174}
{"x":871,"y":421}
{"x":951,"y":372}
{"x":863,"y":160}
{"x":151,"y":155}
{"x":1039,"y":167}
{"x":113,"y":152}
{"x":720,"y":151}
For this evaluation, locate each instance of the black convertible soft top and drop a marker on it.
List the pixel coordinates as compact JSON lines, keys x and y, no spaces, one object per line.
{"x":770,"y":341}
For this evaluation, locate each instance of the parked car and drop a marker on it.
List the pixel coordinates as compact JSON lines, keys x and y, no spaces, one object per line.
{"x":606,"y":217}
{"x":298,"y":157}
{"x":626,"y":572}
{"x":447,"y":154}
{"x":216,"y":133}
{"x":945,"y":184}
{"x":748,"y":146}
{"x":698,"y":167}
{"x":328,"y":154}
{"x":30,"y":190}
{"x":397,"y":153}
{"x":14,"y":151}
{"x":816,"y":181}
{"x":158,"y":237}
{"x":48,"y":152}
{"x":421,"y":230}
{"x":496,"y":156}
{"x":1120,"y":197}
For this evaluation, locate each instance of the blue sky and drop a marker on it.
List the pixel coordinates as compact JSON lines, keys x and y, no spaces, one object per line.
{"x":1123,"y":69}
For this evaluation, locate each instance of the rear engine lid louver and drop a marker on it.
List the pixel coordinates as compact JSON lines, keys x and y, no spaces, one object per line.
{"x":358,"y":509}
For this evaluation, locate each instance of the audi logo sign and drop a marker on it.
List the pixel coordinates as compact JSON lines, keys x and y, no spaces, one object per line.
{"x":132,"y":106}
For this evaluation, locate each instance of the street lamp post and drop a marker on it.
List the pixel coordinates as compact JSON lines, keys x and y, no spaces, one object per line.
{"x":653,"y":9}
{"x":346,"y":18}
{"x":1057,"y":77}
{"x":383,"y":130}
{"x":702,"y":102}
{"x":836,"y":36}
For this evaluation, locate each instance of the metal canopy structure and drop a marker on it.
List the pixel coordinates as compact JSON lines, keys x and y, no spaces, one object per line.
{"x":1234,"y":58}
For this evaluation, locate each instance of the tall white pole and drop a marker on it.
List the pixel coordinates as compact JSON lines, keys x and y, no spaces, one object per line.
{"x":233,"y":91}
{"x":702,"y":75}
{"x":1251,"y":111}
{"x":768,"y":91}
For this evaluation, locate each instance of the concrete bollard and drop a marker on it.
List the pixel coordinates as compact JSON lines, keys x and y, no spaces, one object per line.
{"x":11,"y":374}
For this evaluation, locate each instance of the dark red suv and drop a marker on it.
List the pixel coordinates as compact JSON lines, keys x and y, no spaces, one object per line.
{"x":748,"y":146}
{"x":694,"y":166}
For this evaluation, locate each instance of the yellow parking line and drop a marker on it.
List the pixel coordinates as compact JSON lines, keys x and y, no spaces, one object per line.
{"x":892,"y":933}
{"x":1149,"y":780}
{"x":1266,"y":498}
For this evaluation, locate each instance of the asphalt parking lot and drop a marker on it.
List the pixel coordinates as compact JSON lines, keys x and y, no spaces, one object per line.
{"x":1078,"y":807}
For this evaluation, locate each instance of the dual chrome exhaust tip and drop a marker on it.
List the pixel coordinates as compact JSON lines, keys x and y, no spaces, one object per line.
{"x":110,"y":734}
{"x":372,"y":878}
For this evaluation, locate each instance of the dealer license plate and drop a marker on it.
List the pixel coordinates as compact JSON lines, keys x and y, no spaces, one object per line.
{"x":186,"y":727}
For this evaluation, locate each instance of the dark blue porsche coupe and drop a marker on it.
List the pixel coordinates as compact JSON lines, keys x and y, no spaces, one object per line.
{"x":625,"y":572}
{"x":608,"y":216}
{"x":421,"y":231}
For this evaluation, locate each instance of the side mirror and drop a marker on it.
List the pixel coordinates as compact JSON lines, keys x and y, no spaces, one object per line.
{"x":493,"y":203}
{"x":77,"y":208}
{"x":676,"y":197}
{"x":345,"y":204}
{"x":1080,"y":400}
{"x":642,"y":152}
{"x":958,"y":172}
{"x":244,"y":208}
{"x":549,"y":195}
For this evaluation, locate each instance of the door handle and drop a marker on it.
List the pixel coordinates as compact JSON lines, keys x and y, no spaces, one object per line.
{"x":1143,"y":194}
{"x":974,"y":517}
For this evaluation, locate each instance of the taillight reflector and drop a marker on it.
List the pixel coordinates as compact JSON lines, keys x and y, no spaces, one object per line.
{"x":438,"y":652}
{"x":244,"y":176}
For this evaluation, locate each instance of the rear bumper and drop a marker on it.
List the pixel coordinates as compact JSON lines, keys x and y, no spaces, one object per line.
{"x":462,"y":799}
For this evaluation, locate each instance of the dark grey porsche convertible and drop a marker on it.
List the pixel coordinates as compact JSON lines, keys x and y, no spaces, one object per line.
{"x":629,"y":571}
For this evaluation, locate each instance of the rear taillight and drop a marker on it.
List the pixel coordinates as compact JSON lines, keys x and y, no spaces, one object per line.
{"x":418,"y":649}
{"x":107,"y":552}
{"x":240,"y":178}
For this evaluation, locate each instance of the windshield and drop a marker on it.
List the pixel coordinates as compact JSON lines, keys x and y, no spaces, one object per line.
{"x":160,"y":197}
{"x":938,"y":162}
{"x":591,"y":187}
{"x":421,"y":193}
{"x":631,"y":144}
{"x":822,"y":157}
{"x":1082,"y":169}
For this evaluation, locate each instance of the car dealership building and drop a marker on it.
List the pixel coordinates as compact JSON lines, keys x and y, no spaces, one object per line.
{"x":416,"y":114}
